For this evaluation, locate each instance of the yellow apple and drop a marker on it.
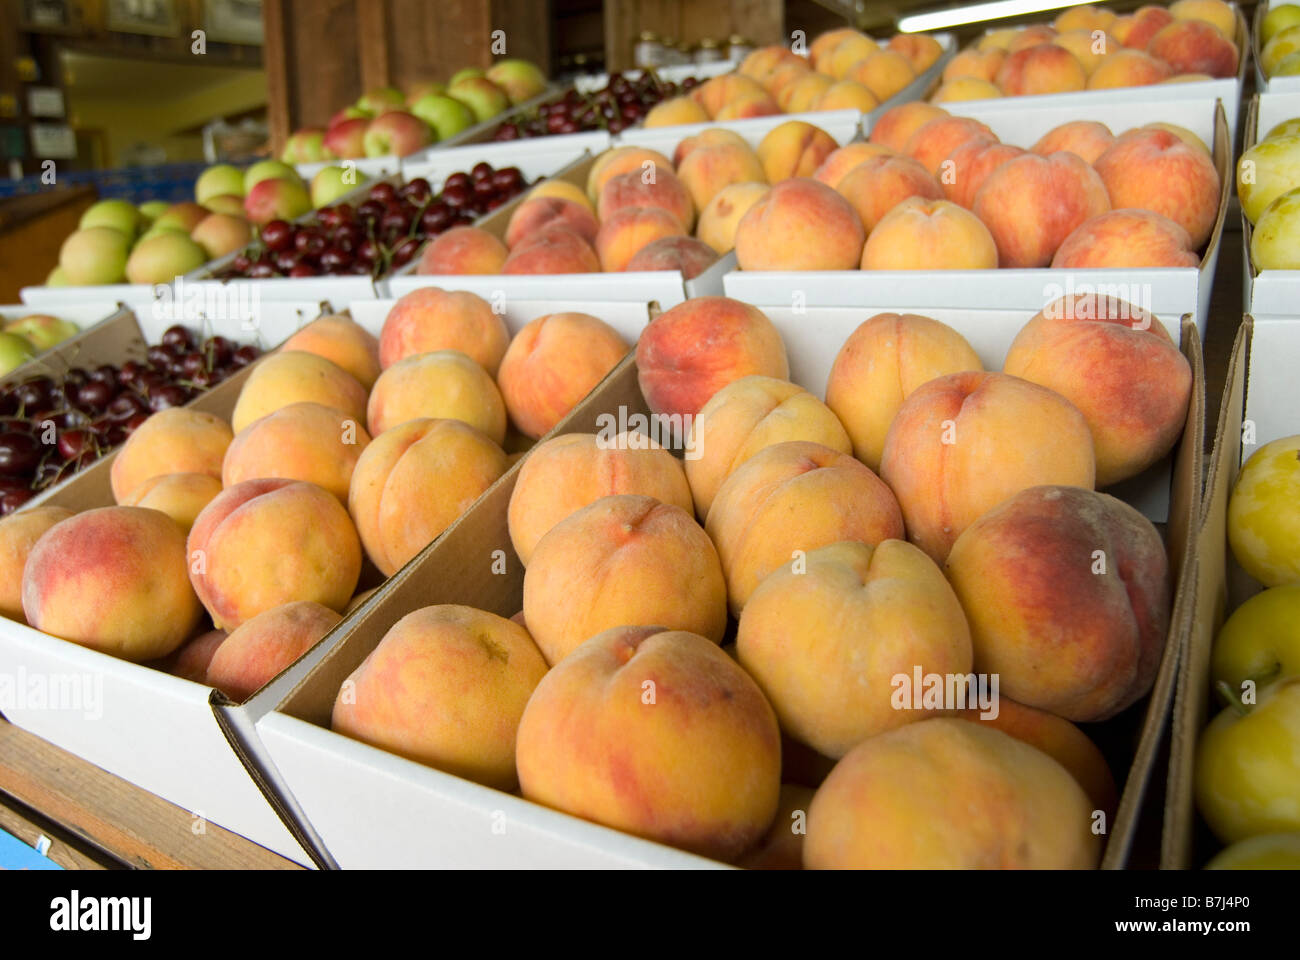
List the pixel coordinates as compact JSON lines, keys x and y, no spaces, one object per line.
{"x":1264,"y":514}
{"x":1261,"y":640}
{"x":1275,"y":244}
{"x":1279,"y":18}
{"x":1268,"y":851}
{"x":1266,"y":171}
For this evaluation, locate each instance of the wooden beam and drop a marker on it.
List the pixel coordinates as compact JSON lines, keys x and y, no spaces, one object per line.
{"x":373,"y":43}
{"x":279,"y":116}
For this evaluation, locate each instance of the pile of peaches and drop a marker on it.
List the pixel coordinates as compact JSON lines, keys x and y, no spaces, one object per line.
{"x":1093,"y":48}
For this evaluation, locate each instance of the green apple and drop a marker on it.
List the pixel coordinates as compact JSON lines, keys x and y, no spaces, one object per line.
{"x":424,"y":88}
{"x":446,"y":115}
{"x":332,"y":183}
{"x":1267,"y":851}
{"x":481,"y":95}
{"x":118,"y":214}
{"x":183,"y":217}
{"x":276,"y":200}
{"x":520,"y":79}
{"x":375,"y":102}
{"x":14,"y":352}
{"x":151,"y":210}
{"x":1281,"y":46}
{"x":1275,"y":244}
{"x":1264,"y":513}
{"x":94,"y":256}
{"x":1266,"y":171}
{"x":41,"y":330}
{"x":57,"y":278}
{"x":1277,"y":19}
{"x":267,"y":170}
{"x":1284,"y":129}
{"x":1247,"y":773}
{"x":226,"y":203}
{"x":214,"y":181}
{"x":467,"y":73}
{"x":163,"y":258}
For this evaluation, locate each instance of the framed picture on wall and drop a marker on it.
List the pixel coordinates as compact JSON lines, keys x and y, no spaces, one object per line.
{"x":233,"y":21}
{"x":157,"y":18}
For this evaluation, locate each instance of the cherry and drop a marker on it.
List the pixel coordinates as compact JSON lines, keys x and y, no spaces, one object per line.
{"x":245,"y":355}
{"x":218,"y":350}
{"x":383,"y":192}
{"x":177,"y":336}
{"x":277,"y":235}
{"x":166,"y":397}
{"x":94,"y":396}
{"x":125,"y":406}
{"x":508,"y":179}
{"x":436,"y":218}
{"x":302,"y":270}
{"x":14,"y":498}
{"x":73,"y":443}
{"x":19,"y":454}
{"x":261,"y":271}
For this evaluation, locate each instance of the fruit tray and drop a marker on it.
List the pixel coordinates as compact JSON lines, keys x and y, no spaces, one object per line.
{"x":1167,"y":292}
{"x":1268,"y":293}
{"x":1263,"y":83}
{"x":361,"y":807}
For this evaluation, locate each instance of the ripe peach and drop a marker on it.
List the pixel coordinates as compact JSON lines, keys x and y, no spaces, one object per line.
{"x":1218,"y":14}
{"x":1027,"y":570}
{"x":685,"y":255}
{"x":975,"y":63}
{"x":1045,"y":68}
{"x":781,"y":76}
{"x":657,"y":733}
{"x":801,"y":224}
{"x":564,"y":190}
{"x":443,"y":384}
{"x":791,"y":498}
{"x":967,"y":167}
{"x":966,"y":88}
{"x":920,"y":234}
{"x":999,"y":39}
{"x":846,"y":95}
{"x":552,"y":363}
{"x":626,"y":232}
{"x":191,"y":661}
{"x":171,"y":441}
{"x":113,"y":579}
{"x":1031,"y":204}
{"x":675,"y":111}
{"x":1147,"y":22}
{"x":1087,"y":139}
{"x":1193,"y":46}
{"x":295,"y":376}
{"x":430,"y":319}
{"x":839,"y":162}
{"x":1127,"y":239}
{"x":744,"y":108}
{"x":660,"y":188}
{"x":931,"y":144}
{"x":884,"y":73}
{"x":19,"y":532}
{"x":949,"y":430}
{"x":824,"y":642}
{"x":1118,"y":366}
{"x":1088,"y":48}
{"x":718,"y":220}
{"x":463,"y":250}
{"x":709,"y":168}
{"x":921,"y":50}
{"x":876,"y":186}
{"x":1182,"y":133}
{"x":573,"y":470}
{"x":446,"y":687}
{"x":825,"y":43}
{"x":883,"y":361}
{"x":1128,"y":68}
{"x":532,"y":216}
{"x":342,"y":341}
{"x":764,"y":60}
{"x":799,"y":96}
{"x":182,"y":496}
{"x":897,"y":124}
{"x":746,"y":416}
{"x":714,"y":94}
{"x":1084,"y":17}
{"x":260,"y":648}
{"x":690,"y":352}
{"x":710,"y":137}
{"x":622,"y":160}
{"x":794,"y":149}
{"x":556,"y":249}
{"x":850,"y":50}
{"x":1155,"y":170}
{"x":414,"y":481}
{"x":625,"y":559}
{"x":1034,"y":35}
{"x":303,"y":441}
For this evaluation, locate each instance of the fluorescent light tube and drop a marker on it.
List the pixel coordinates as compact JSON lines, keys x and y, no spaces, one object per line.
{"x":995,"y":10}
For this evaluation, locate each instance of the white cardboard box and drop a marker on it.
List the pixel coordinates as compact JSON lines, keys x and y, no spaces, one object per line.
{"x":844,"y":126}
{"x":1262,"y":83}
{"x":84,"y":314}
{"x":1270,"y":294}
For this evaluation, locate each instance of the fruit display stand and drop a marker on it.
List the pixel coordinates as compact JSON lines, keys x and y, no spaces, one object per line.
{"x":1168,"y":292}
{"x":1269,"y":293}
{"x":1263,"y":83}
{"x":365,"y":808}
{"x":146,"y":726}
{"x":45,"y":299}
{"x":86,"y":316}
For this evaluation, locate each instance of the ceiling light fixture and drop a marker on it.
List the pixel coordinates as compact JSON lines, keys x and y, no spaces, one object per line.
{"x":995,"y":10}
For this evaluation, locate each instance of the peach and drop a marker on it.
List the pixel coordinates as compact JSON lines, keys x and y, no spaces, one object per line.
{"x":839,"y":162}
{"x":967,"y":167}
{"x":931,"y":144}
{"x":781,"y":848}
{"x":260,"y":648}
{"x":947,"y":794}
{"x":446,"y":686}
{"x":574,"y":470}
{"x":799,"y":96}
{"x":685,"y":255}
{"x":921,"y":50}
{"x":556,"y":249}
{"x":623,"y":559}
{"x":1045,"y":68}
{"x":182,"y":496}
{"x":552,"y":363}
{"x":621,"y":160}
{"x":463,"y":250}
{"x":897,"y":124}
{"x":791,"y":498}
{"x":171,"y":441}
{"x":884,"y":73}
{"x":564,"y":190}
{"x":626,"y":232}
{"x":824,"y":43}
{"x":794,"y":149}
{"x":883,"y":361}
{"x":674,"y":112}
{"x":1087,"y":139}
{"x":1026,"y":572}
{"x":430,"y":319}
{"x":801,"y":224}
{"x":1146,"y":23}
{"x":656,"y":733}
{"x":691,"y":351}
{"x":745,"y":108}
{"x":846,"y":95}
{"x":531,"y":216}
{"x":706,"y":170}
{"x":652,"y":188}
{"x":1182,"y":133}
{"x":719,"y":219}
{"x":1128,"y":68}
{"x":19,"y":532}
{"x":445,"y":384}
{"x":1088,"y":48}
{"x":296,"y":376}
{"x":824,"y":641}
{"x":999,"y":39}
{"x":1155,"y":170}
{"x":966,"y":88}
{"x":1084,"y":17}
{"x":114,"y":579}
{"x":764,"y":60}
{"x":777,"y":80}
{"x":975,"y":63}
{"x":713,"y":95}
{"x":303,"y":441}
{"x":1218,"y":14}
{"x":1034,"y":35}
{"x":712,"y":137}
{"x":749,"y":415}
{"x":414,"y":481}
{"x":191,"y":661}
{"x":1193,"y":46}
{"x":1116,"y":364}
{"x":342,"y":341}
{"x":920,"y":234}
{"x":879,"y":184}
{"x":950,"y":429}
{"x":1031,"y":204}
{"x":850,"y":50}
{"x":264,"y":543}
{"x":1127,"y":239}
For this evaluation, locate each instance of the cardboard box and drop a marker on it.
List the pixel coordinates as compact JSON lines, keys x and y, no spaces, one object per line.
{"x":844,"y":126}
{"x":87,"y":316}
{"x":1168,"y":292}
{"x":365,"y":808}
{"x":1263,"y":83}
{"x":1258,"y":407}
{"x":1270,"y":294}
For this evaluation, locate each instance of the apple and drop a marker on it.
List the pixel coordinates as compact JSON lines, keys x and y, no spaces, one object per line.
{"x":1260,"y":642}
{"x":520,"y":79}
{"x":57,"y":278}
{"x":276,"y":200}
{"x":481,"y":95}
{"x":1266,"y":171}
{"x":151,"y":210}
{"x":159,"y":229}
{"x":1278,"y":19}
{"x":268,"y":170}
{"x":381,"y":100}
{"x":163,"y":258}
{"x":118,"y":214}
{"x":1275,"y":244}
{"x":446,"y":115}
{"x":182,"y":217}
{"x":347,"y":140}
{"x":41,"y":330}
{"x":1264,"y":513}
{"x":1280,"y":46}
{"x":14,"y":352}
{"x":332,"y":183}
{"x":221,"y":233}
{"x":466,"y":73}
{"x":1247,"y":772}
{"x":94,"y":256}
{"x":307,"y":146}
{"x":347,"y":113}
{"x":1265,"y":851}
{"x":396,"y":133}
{"x":218,"y":180}
{"x":424,"y":88}
{"x":226,"y":203}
